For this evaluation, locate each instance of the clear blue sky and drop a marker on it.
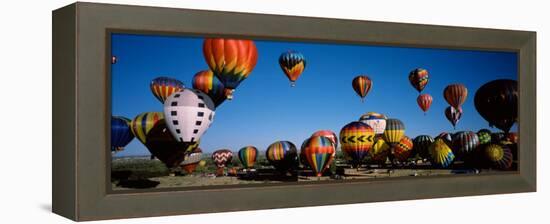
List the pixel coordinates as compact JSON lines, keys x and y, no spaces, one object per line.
{"x":266,"y":109}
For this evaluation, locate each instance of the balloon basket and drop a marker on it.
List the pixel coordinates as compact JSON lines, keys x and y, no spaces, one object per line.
{"x":292,"y":84}
{"x":229,"y":93}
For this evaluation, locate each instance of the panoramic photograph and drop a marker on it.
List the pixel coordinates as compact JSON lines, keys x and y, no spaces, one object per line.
{"x":190,"y":111}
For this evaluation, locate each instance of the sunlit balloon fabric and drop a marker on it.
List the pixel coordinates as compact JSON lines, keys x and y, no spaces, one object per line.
{"x":162,"y":87}
{"x":441,"y":154}
{"x":453,"y":115}
{"x":356,"y":139}
{"x":497,"y":102}
{"x":143,"y":123}
{"x":419,"y":78}
{"x":283,"y":155}
{"x":121,"y":134}
{"x":424,"y":102}
{"x":222,"y":157}
{"x":328,"y":134}
{"x":247,"y":156}
{"x":380,"y":151}
{"x":375,"y":120}
{"x":208,"y":83}
{"x":500,"y":156}
{"x":189,"y":114}
{"x":361,"y":84}
{"x":395,"y":130}
{"x":455,"y":95}
{"x":231,"y":60}
{"x":403,"y":150}
{"x":319,"y":153}
{"x":293,"y":64}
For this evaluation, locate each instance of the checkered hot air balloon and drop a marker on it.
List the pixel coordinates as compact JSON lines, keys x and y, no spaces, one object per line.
{"x":162,"y":87}
{"x":319,"y":153}
{"x":356,"y":139}
{"x":293,"y":64}
{"x":419,"y":78}
{"x":247,"y":156}
{"x":362,"y":85}
{"x":231,"y":60}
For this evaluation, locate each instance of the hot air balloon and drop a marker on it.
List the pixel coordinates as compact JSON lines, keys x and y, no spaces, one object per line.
{"x":441,"y":154}
{"x":453,"y":115}
{"x":319,"y":152}
{"x":231,"y":60}
{"x":447,"y":137}
{"x":500,"y":156}
{"x":208,"y":83}
{"x":221,"y":159}
{"x":455,"y":95}
{"x":328,"y":134}
{"x":143,"y":123}
{"x":403,"y":150}
{"x":362,"y":85}
{"x":497,"y":137}
{"x":248,"y":155}
{"x":421,"y":144}
{"x":293,"y":64}
{"x":302,"y":157}
{"x":497,"y":102}
{"x":121,"y":134}
{"x":282,"y":155}
{"x":376,"y":121}
{"x":161,"y":143}
{"x":484,"y":136}
{"x":464,"y":144}
{"x":424,"y":102}
{"x":380,"y":151}
{"x":512,"y":137}
{"x":113,"y":59}
{"x":191,"y":160}
{"x":419,"y":78}
{"x":189,"y":114}
{"x":162,"y":87}
{"x":356,"y":139}
{"x":395,"y":130}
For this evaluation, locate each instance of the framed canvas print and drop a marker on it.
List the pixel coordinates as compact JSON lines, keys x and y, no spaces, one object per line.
{"x":201,"y":111}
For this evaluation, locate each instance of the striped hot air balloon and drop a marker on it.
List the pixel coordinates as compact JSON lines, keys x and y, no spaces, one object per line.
{"x":121,"y":134}
{"x":464,"y":143}
{"x":293,"y":64}
{"x":421,"y":144}
{"x":247,"y":156}
{"x":191,"y":160}
{"x":403,"y":150}
{"x":441,"y":154}
{"x":163,"y":87}
{"x":447,"y":137}
{"x":283,"y":155}
{"x":362,"y":84}
{"x":500,"y":156}
{"x":455,"y":95}
{"x":319,"y":153}
{"x":208,"y":83}
{"x":453,"y":115}
{"x":376,"y":121}
{"x":356,"y":139}
{"x":484,"y":136}
{"x":419,"y":78}
{"x":380,"y":151}
{"x":143,"y":123}
{"x":424,"y":102}
{"x":395,"y":130}
{"x":231,"y":60}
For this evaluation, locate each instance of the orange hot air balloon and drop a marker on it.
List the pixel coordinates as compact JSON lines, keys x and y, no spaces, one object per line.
{"x":293,"y":64}
{"x":424,"y":102}
{"x":231,"y":60}
{"x":455,"y":95}
{"x":362,"y":85}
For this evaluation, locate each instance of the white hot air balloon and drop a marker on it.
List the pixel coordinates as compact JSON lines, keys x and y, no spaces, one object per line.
{"x":188,"y":114}
{"x":375,"y":120}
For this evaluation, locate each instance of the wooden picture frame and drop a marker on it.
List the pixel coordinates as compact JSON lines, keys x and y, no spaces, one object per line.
{"x":81,"y":113}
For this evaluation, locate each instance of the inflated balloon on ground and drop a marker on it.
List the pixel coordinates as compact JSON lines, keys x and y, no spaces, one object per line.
{"x":356,"y":139}
{"x":319,"y":153}
{"x":283,"y":155}
{"x":375,"y":120}
{"x":247,"y":156}
{"x":403,"y":150}
{"x":121,"y":133}
{"x":441,"y":155}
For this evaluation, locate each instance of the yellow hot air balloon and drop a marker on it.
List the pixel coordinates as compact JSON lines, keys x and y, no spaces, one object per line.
{"x":144,"y":122}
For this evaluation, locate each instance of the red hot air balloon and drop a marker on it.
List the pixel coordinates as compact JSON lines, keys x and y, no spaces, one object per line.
{"x":424,"y":102}
{"x":455,"y":95}
{"x":231,"y":60}
{"x":453,"y":115}
{"x":319,"y":153}
{"x":419,"y":78}
{"x":362,"y":85}
{"x":328,"y":134}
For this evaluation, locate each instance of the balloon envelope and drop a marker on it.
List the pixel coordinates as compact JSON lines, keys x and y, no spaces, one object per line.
{"x":375,"y":120}
{"x":395,"y":130}
{"x":421,"y":144}
{"x":362,"y":85}
{"x":356,"y":139}
{"x":419,"y":78}
{"x":328,"y":134}
{"x":208,"y":83}
{"x":455,"y":95}
{"x":222,"y":157}
{"x":247,"y":156}
{"x":191,"y":160}
{"x":497,"y":102}
{"x":121,"y":133}
{"x":293,"y":64}
{"x":162,"y":87}
{"x":165,"y":147}
{"x":424,"y":101}
{"x":380,"y":151}
{"x":500,"y":156}
{"x":441,"y":154}
{"x":453,"y":115}
{"x":283,"y":155}
{"x":319,"y":153}
{"x":403,"y":150}
{"x":464,"y":143}
{"x":143,"y":123}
